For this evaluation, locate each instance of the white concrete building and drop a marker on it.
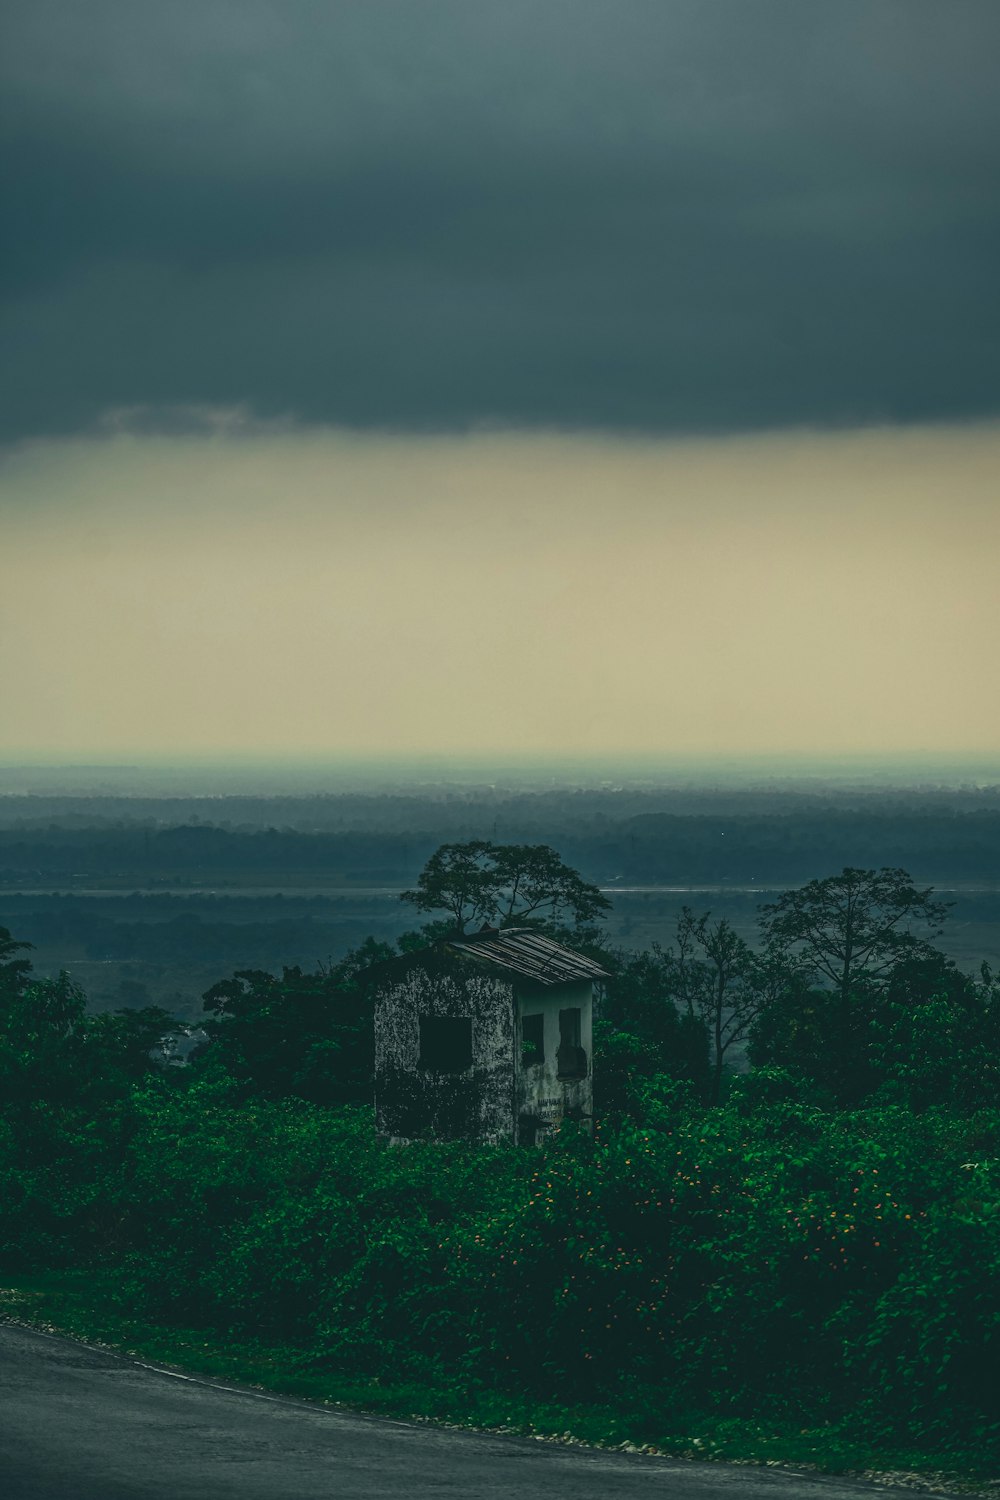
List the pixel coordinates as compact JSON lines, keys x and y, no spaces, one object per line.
{"x":485,"y":1037}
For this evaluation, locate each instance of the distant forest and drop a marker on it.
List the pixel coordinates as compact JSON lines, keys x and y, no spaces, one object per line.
{"x":629,"y":836}
{"x":148,"y":900}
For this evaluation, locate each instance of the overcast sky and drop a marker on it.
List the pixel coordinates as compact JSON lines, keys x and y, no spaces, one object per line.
{"x":315,"y":254}
{"x":657,"y":214}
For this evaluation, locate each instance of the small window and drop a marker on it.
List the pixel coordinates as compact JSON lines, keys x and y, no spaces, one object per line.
{"x":445,"y":1044}
{"x":532,"y":1041}
{"x":571,"y":1059}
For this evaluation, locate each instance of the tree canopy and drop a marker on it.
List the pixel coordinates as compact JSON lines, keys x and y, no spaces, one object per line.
{"x":861,"y":988}
{"x":479,"y":881}
{"x":307,"y":1036}
{"x":854,"y":928}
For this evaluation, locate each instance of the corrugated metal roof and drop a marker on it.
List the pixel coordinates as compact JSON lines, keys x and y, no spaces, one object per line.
{"x":526,"y":952}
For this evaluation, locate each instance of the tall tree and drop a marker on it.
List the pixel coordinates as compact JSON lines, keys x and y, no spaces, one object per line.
{"x":851,"y":930}
{"x":846,"y":942}
{"x":720,"y":979}
{"x":479,"y":881}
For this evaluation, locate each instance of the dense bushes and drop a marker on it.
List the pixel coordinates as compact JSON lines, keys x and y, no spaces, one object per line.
{"x":774,"y":1259}
{"x":764,"y":1259}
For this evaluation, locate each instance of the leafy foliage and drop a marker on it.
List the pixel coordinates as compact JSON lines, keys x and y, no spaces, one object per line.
{"x":764,"y":1260}
{"x":303,"y":1035}
{"x":927,"y":1035}
{"x":854,"y":929}
{"x":820,"y":1249}
{"x":479,"y":881}
{"x":643,"y":1035}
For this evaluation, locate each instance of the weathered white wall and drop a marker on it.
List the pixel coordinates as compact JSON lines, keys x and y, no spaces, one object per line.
{"x":540,"y":1092}
{"x":414,"y":1103}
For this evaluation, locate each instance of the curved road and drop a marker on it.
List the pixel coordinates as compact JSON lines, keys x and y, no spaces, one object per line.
{"x":80,"y":1424}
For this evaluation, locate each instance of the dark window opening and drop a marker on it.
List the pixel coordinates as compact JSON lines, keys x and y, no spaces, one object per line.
{"x":571,"y":1059}
{"x":528,"y":1128}
{"x":532,"y":1040}
{"x":445,"y":1044}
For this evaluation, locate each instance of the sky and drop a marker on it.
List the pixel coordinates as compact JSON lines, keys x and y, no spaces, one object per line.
{"x":554,"y":378}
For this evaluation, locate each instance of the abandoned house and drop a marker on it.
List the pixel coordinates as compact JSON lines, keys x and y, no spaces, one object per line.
{"x":485,"y":1037}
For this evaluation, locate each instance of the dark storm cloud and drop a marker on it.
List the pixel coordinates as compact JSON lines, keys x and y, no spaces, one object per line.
{"x":698,"y":215}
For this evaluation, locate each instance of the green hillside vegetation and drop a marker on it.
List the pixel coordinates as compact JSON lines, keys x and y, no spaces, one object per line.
{"x":799,"y":1263}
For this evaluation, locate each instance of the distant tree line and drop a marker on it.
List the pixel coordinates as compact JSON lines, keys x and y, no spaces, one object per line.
{"x":646,"y":848}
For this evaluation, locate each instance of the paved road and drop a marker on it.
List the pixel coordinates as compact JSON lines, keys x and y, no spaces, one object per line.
{"x":80,"y":1424}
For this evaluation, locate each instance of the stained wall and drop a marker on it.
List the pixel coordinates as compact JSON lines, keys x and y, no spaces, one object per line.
{"x":414,"y":1102}
{"x":542,"y":1096}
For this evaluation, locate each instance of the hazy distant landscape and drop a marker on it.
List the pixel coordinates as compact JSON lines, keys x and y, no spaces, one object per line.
{"x":147,"y":886}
